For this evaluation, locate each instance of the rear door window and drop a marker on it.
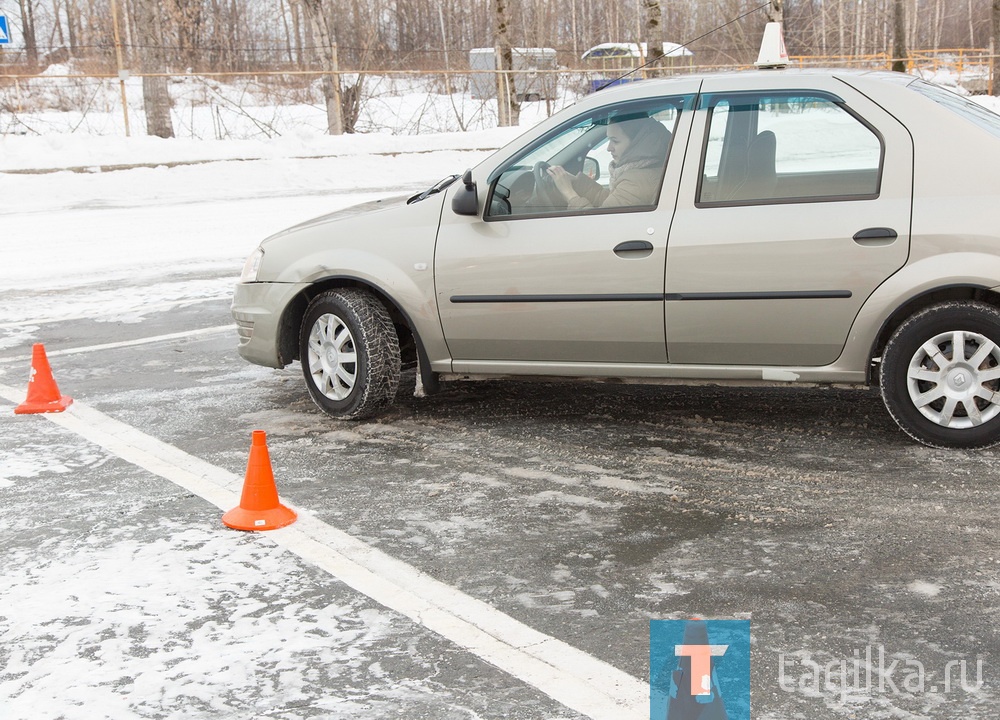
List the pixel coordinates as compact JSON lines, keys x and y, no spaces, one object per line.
{"x":786,"y":148}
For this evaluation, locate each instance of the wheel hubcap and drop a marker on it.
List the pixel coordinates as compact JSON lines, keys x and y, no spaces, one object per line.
{"x":953,"y":379}
{"x":333,"y":359}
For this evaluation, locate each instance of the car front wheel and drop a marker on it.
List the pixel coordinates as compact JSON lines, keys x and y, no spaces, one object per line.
{"x":940,"y":375}
{"x":350,"y":354}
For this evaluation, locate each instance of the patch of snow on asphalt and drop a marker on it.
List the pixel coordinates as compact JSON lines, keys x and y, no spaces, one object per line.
{"x":172,"y":626}
{"x":922,"y":587}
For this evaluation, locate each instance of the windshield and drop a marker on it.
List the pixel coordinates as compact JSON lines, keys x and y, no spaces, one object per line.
{"x":560,"y":142}
{"x":971,"y":111}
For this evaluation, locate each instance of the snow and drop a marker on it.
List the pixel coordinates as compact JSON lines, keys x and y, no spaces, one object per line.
{"x":87,"y":228}
{"x":165,"y":626}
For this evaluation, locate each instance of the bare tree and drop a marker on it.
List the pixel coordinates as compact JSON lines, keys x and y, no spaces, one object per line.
{"x":293,"y":38}
{"x":972,"y":27}
{"x":156,"y":99}
{"x":508,"y":109}
{"x":28,"y":31}
{"x":654,"y":34}
{"x":187,"y":18}
{"x":899,"y":53}
{"x":328,"y":51}
{"x":365,"y":31}
{"x":995,"y":24}
{"x":72,"y":27}
{"x":994,"y":43}
{"x":347,"y":39}
{"x":936,"y":29}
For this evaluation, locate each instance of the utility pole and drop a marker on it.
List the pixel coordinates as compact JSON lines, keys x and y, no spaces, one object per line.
{"x":122,"y":72}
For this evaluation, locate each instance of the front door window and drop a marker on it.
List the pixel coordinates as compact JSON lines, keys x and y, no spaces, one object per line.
{"x":610,"y":160}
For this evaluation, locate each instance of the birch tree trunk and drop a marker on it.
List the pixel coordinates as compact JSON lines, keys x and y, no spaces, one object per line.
{"x":860,"y":26}
{"x":654,"y":37}
{"x":823,"y":50}
{"x":508,"y":109}
{"x":936,"y":30}
{"x":972,"y":28}
{"x":842,"y":48}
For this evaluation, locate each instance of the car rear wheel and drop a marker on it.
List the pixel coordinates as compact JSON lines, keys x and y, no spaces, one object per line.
{"x":350,"y":354}
{"x":940,"y":375}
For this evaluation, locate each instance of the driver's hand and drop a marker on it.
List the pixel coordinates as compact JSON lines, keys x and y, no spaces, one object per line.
{"x":563,"y":181}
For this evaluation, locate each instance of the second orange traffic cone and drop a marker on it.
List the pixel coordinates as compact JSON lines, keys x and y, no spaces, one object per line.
{"x":259,"y":508}
{"x":43,"y":393}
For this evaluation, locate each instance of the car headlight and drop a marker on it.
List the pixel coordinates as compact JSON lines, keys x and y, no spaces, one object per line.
{"x":252,"y":266}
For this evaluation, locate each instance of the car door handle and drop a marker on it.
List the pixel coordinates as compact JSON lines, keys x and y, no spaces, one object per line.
{"x":875,"y":237}
{"x":634,"y":248}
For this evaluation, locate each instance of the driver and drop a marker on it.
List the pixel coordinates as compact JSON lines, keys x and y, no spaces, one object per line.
{"x":638,"y":147}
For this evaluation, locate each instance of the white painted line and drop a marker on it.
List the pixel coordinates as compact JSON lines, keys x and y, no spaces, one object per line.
{"x":579,"y":681}
{"x":127,"y":343}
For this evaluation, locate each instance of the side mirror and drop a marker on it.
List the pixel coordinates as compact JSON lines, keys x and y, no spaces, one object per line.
{"x":591,"y":168}
{"x":465,"y":201}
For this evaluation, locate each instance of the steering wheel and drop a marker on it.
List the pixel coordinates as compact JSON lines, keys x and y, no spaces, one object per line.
{"x":545,"y":187}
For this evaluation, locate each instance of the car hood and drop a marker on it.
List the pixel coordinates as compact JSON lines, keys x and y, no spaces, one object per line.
{"x":372,"y":206}
{"x":369,"y":242}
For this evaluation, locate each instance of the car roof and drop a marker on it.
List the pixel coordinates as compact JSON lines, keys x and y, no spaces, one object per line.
{"x":746,"y":80}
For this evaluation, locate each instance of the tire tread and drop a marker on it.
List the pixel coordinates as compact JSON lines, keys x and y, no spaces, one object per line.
{"x":379,"y":369}
{"x":895,"y":359}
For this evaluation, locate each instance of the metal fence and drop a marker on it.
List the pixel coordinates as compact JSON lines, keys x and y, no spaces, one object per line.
{"x":269,"y":104}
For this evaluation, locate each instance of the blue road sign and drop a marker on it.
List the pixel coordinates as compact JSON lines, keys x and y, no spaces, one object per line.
{"x":4,"y":34}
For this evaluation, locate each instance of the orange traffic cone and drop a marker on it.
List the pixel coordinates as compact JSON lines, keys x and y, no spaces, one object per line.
{"x":43,"y":393}
{"x":259,"y":508}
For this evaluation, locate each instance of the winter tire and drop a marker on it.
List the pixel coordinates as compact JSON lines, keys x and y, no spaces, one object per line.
{"x":350,"y":354}
{"x":940,"y":375}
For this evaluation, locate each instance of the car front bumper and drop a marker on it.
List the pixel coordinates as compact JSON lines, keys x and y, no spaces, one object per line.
{"x":258,"y":308}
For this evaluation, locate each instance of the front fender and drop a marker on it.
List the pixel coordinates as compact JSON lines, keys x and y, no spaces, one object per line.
{"x":390,"y":250}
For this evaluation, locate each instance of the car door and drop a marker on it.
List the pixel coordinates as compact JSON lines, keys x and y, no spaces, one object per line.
{"x":532,"y":281}
{"x":795,"y":207}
